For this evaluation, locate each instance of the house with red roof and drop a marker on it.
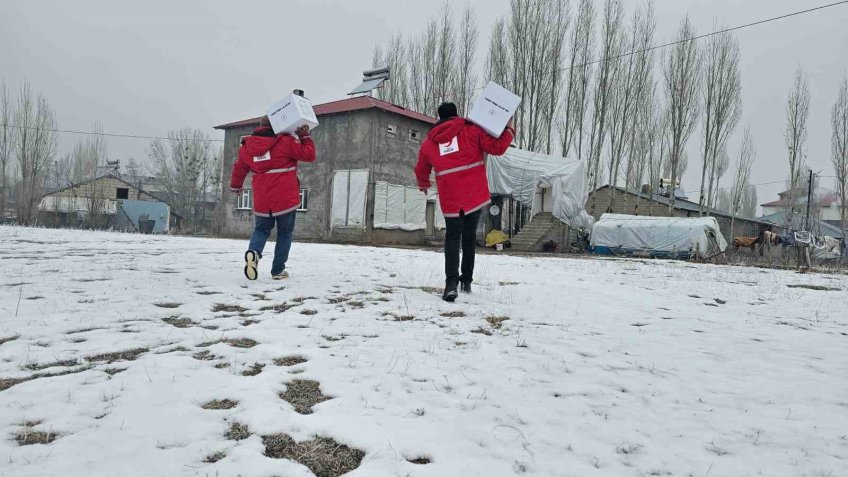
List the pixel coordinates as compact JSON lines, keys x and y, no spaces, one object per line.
{"x":360,"y":141}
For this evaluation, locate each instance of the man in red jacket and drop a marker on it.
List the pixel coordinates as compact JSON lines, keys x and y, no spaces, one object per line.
{"x":454,"y":148}
{"x":273,"y":159}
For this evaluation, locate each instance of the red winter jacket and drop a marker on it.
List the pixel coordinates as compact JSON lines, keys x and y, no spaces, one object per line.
{"x":454,"y":148}
{"x":273,"y":161}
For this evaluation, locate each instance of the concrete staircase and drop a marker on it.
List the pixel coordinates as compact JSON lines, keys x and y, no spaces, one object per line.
{"x":530,"y":237}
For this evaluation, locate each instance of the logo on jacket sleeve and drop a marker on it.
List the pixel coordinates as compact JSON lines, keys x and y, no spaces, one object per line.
{"x":262,"y":158}
{"x":449,"y":147}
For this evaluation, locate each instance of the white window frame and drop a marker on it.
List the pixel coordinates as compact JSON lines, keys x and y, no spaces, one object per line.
{"x":304,"y":200}
{"x":392,"y":129}
{"x":415,"y":135}
{"x":244,"y":201}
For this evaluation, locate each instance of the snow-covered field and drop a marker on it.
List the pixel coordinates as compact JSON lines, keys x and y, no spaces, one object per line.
{"x":603,"y":367}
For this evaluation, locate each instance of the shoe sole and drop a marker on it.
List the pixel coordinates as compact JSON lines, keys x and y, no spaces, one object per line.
{"x":251,"y":265}
{"x":450,"y":297}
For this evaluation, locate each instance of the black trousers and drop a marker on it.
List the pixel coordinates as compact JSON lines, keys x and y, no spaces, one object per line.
{"x":461,"y":231}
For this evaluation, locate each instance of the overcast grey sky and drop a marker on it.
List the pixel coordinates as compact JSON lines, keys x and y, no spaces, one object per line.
{"x":149,"y":67}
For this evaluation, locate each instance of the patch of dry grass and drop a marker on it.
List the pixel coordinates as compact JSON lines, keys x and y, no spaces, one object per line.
{"x":4,"y":340}
{"x":238,"y":432}
{"x":40,"y":366}
{"x":358,"y":305}
{"x":207,"y":293}
{"x":337,"y":300}
{"x":254,"y":370}
{"x":168,"y":305}
{"x":204,"y":355}
{"x":453,"y":314}
{"x":128,"y":355}
{"x":399,"y":316}
{"x":244,"y":343}
{"x":290,"y":361}
{"x":482,"y":331}
{"x":333,"y":338}
{"x":215,"y":457}
{"x":419,"y":460}
{"x":496,"y":322}
{"x":309,"y":312}
{"x":219,"y":307}
{"x":279,"y":307}
{"x":302,"y":394}
{"x":323,"y":456}
{"x":814,"y":287}
{"x":28,"y":437}
{"x":179,"y":322}
{"x":249,"y":322}
{"x":6,"y":383}
{"x":218,"y":405}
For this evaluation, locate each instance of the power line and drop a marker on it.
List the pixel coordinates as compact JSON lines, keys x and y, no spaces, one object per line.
{"x":623,"y":55}
{"x":695,"y":38}
{"x":760,"y":184}
{"x":131,"y":136}
{"x":707,"y":35}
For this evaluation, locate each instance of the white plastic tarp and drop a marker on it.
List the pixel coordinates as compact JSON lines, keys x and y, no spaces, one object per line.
{"x":433,"y":196}
{"x":659,"y":234}
{"x":520,"y":174}
{"x":350,"y":188}
{"x":825,"y":248}
{"x":399,"y":207}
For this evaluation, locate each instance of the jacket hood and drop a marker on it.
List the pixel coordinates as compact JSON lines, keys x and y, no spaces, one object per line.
{"x":260,"y":142}
{"x":446,"y":130}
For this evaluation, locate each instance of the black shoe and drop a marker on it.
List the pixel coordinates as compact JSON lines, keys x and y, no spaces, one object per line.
{"x":450,"y":293}
{"x":465,"y":287}
{"x":251,"y":264}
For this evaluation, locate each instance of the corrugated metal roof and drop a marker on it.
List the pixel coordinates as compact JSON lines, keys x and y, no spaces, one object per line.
{"x":819,"y":227}
{"x":683,"y":204}
{"x":346,"y":105}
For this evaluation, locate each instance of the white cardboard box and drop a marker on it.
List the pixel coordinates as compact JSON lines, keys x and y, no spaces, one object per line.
{"x":290,"y":113}
{"x":493,"y":109}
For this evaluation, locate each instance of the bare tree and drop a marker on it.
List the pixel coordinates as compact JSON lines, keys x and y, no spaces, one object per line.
{"x":645,"y":141}
{"x":722,"y":107}
{"x":839,"y":147}
{"x":536,"y":36}
{"x":133,"y":173}
{"x":7,"y":141}
{"x":630,"y":87}
{"x":682,"y":77}
{"x":88,"y":155}
{"x":446,"y":68}
{"x":35,"y":145}
{"x":394,"y":57}
{"x":497,"y":63}
{"x":467,"y":58}
{"x":797,"y":113}
{"x":572,"y":124}
{"x":605,"y":79}
{"x":644,"y":85}
{"x":741,"y":181}
{"x":183,"y":167}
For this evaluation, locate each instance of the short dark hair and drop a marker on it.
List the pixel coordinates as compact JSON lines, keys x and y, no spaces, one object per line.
{"x":447,"y":110}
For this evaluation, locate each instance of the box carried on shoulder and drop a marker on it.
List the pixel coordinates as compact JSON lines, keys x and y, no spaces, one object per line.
{"x":493,"y":109}
{"x":290,"y":113}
